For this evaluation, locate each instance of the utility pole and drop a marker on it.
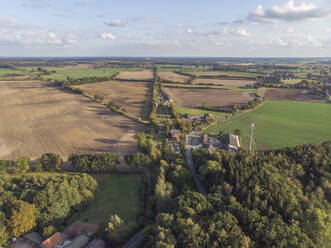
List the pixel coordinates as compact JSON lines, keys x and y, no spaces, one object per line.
{"x":251,"y":141}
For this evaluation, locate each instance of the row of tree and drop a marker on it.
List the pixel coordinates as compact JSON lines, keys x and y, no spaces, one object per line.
{"x":41,"y":203}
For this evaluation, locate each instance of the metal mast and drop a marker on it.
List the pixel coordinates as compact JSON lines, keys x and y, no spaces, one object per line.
{"x":251,"y":141}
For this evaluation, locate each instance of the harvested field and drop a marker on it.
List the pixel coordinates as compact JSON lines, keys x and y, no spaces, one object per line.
{"x":39,"y":118}
{"x":223,"y":73}
{"x":146,"y":75}
{"x":288,"y":94}
{"x":213,"y":97}
{"x":174,"y":77}
{"x":224,"y":82}
{"x":134,"y":97}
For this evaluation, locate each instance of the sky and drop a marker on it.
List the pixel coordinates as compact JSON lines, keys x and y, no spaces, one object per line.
{"x":167,"y":28}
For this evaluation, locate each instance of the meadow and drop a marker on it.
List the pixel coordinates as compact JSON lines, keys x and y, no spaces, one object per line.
{"x":201,"y":112}
{"x":116,"y":194}
{"x":281,"y":124}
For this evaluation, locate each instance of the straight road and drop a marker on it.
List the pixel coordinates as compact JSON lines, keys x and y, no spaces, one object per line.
{"x":135,"y":240}
{"x":197,"y":181}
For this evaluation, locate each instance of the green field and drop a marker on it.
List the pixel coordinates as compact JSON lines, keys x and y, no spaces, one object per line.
{"x":63,"y":73}
{"x":281,"y":123}
{"x":116,"y":194}
{"x":4,"y":72}
{"x":200,"y":112}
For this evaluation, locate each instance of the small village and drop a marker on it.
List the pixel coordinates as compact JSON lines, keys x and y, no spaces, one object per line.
{"x":77,"y":235}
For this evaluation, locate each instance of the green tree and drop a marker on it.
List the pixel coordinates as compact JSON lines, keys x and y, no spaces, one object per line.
{"x":51,"y":161}
{"x":22,"y":164}
{"x":23,"y":218}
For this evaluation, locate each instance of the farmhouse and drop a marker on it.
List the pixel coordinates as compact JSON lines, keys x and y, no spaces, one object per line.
{"x":175,"y":135}
{"x":53,"y":241}
{"x":229,"y":142}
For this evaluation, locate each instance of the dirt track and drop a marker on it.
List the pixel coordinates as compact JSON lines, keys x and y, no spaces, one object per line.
{"x":37,"y":118}
{"x":186,"y":97}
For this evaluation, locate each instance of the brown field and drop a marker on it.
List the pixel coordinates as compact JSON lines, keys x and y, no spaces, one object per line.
{"x":287,"y":94}
{"x":186,"y":97}
{"x":222,"y":82}
{"x":39,"y":118}
{"x":134,"y":97}
{"x":217,"y":73}
{"x":146,"y":75}
{"x":174,"y":77}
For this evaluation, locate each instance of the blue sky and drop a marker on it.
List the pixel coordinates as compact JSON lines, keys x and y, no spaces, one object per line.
{"x":218,"y":28}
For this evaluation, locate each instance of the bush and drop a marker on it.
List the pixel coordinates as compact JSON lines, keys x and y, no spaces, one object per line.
{"x":22,"y":164}
{"x":51,"y":162}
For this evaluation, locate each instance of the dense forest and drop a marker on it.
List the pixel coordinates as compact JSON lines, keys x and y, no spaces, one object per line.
{"x":41,"y":203}
{"x":264,"y":199}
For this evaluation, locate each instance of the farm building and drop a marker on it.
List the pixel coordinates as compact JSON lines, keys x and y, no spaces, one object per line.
{"x":208,"y":117}
{"x":175,"y":135}
{"x":53,"y":241}
{"x":229,"y":142}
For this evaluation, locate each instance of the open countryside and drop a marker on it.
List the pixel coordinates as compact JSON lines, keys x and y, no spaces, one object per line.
{"x":282,"y":123}
{"x":137,"y":126}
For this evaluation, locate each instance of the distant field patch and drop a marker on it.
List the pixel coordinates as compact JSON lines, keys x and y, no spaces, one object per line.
{"x":287,"y":94}
{"x":134,"y":97}
{"x":146,"y":75}
{"x":189,"y":98}
{"x":63,"y":72}
{"x":225,"y":73}
{"x":174,"y":77}
{"x":224,"y":82}
{"x":201,"y":112}
{"x":282,"y":123}
{"x":116,"y":194}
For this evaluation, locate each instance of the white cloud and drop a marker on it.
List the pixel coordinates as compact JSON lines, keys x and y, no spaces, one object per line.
{"x":288,"y":12}
{"x":36,"y":3}
{"x":190,"y":31}
{"x":65,"y":13}
{"x":7,"y":20}
{"x":115,"y":23}
{"x":87,"y":3}
{"x":107,"y":36}
{"x":37,"y":37}
{"x":236,"y":32}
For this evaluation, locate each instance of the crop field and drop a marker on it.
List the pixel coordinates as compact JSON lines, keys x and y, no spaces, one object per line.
{"x":174,"y":77}
{"x":225,"y":73}
{"x":201,"y":112}
{"x":116,"y":194}
{"x":63,"y":72}
{"x":280,"y":124}
{"x":145,"y":75}
{"x":189,"y":98}
{"x":5,"y":72}
{"x":38,"y":118}
{"x":224,"y":82}
{"x":287,"y":94}
{"x":134,"y":97}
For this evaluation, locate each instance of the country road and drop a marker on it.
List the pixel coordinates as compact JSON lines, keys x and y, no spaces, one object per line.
{"x":197,"y":181}
{"x":135,"y":240}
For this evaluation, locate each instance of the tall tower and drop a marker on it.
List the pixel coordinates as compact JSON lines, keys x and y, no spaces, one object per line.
{"x":251,"y":141}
